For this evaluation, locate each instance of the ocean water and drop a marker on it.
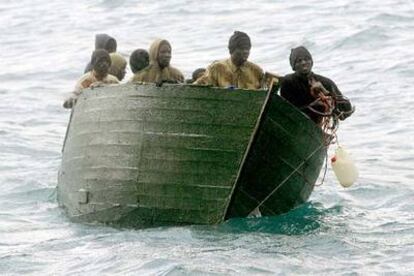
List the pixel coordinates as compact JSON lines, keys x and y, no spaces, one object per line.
{"x":365,"y":46}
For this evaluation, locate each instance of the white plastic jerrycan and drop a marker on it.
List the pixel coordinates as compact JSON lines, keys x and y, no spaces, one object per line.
{"x":344,"y":167}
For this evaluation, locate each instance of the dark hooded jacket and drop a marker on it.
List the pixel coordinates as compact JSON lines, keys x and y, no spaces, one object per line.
{"x":102,"y":41}
{"x":296,"y":89}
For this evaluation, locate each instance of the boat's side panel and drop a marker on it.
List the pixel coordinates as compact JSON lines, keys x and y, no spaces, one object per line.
{"x":142,"y":155}
{"x":283,"y":165}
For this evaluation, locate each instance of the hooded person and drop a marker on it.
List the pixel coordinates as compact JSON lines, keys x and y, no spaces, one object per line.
{"x":103,"y":41}
{"x":159,"y":69}
{"x":101,"y":62}
{"x":314,"y":94}
{"x":118,"y":66}
{"x":138,"y":60}
{"x":235,"y":71}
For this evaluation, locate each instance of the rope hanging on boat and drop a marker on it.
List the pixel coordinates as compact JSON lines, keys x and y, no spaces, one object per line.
{"x":322,"y":97}
{"x":329,"y":126}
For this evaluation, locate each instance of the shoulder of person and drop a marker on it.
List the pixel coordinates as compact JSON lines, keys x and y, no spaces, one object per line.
{"x":254,"y":66}
{"x":218,"y":63}
{"x":174,"y":70}
{"x":176,"y":73}
{"x":139,"y":76}
{"x":288,"y":77}
{"x":322,"y":79}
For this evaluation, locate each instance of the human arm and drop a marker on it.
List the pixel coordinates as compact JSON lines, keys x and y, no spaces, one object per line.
{"x":343,"y":107}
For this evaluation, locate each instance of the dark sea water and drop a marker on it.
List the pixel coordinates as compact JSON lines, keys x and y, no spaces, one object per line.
{"x":367,"y":47}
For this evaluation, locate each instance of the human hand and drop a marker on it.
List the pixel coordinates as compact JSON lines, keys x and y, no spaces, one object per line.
{"x":69,"y":102}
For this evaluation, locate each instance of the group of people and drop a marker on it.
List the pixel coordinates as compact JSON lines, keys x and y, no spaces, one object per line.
{"x":316,"y":95}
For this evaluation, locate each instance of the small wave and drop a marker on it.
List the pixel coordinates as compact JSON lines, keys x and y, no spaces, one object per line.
{"x":367,"y":37}
{"x":391,"y":18}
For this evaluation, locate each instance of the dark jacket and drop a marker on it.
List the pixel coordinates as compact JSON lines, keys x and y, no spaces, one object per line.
{"x":296,"y":89}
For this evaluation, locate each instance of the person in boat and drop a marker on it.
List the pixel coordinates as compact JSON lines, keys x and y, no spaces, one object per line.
{"x":118,"y":66}
{"x":138,"y":60}
{"x":159,"y":70}
{"x":317,"y":96}
{"x":103,"y":41}
{"x":101,"y":61}
{"x":235,"y":71}
{"x":196,"y":75}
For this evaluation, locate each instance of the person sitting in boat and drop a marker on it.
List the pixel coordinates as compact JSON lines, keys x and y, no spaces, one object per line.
{"x":103,"y":41}
{"x":317,"y":96}
{"x":236,"y":71}
{"x":159,"y":69}
{"x":118,"y":66}
{"x":196,"y":75}
{"x":138,"y":60}
{"x":101,"y":61}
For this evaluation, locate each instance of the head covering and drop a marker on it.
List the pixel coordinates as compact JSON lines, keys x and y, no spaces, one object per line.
{"x":238,"y":40}
{"x":138,"y":60}
{"x":102,"y":41}
{"x":298,"y":52}
{"x":98,"y":54}
{"x":154,"y":50}
{"x":118,"y":65}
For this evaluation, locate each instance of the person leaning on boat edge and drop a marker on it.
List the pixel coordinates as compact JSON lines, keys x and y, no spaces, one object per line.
{"x":103,"y":41}
{"x":235,"y":71}
{"x":101,"y":61}
{"x":159,"y":69}
{"x":314,"y":94}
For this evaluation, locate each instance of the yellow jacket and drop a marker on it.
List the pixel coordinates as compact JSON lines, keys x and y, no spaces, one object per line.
{"x":224,"y":73}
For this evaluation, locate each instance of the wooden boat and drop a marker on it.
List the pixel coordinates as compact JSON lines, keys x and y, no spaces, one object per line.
{"x":141,"y":155}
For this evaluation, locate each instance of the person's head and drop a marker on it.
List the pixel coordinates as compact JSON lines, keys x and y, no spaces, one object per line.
{"x":106,"y":42}
{"x":301,"y":60}
{"x":239,"y":48}
{"x":118,"y":66}
{"x":138,"y":60}
{"x":160,"y":53}
{"x":101,"y":61}
{"x":198,"y":73}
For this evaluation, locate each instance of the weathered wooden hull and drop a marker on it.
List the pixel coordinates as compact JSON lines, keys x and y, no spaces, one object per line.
{"x":283,"y":164}
{"x":144,"y":155}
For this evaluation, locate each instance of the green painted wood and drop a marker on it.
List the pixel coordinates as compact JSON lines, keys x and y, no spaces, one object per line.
{"x":285,"y":161}
{"x":140,"y":155}
{"x":145,"y":155}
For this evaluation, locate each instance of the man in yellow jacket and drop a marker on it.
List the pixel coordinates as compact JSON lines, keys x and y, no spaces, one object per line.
{"x":100,"y":61}
{"x":236,"y":71}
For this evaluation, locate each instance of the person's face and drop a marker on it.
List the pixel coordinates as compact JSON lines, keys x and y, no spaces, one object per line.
{"x":240,"y":55}
{"x":121,"y":74}
{"x":164,"y":55}
{"x":141,"y":63}
{"x":303,"y":65}
{"x":102,"y":65}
